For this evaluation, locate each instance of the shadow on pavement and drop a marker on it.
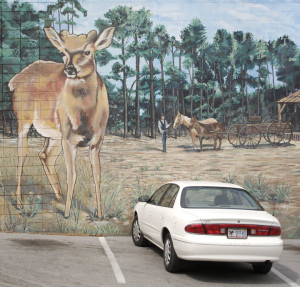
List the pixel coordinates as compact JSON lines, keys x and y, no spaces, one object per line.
{"x":230,"y":273}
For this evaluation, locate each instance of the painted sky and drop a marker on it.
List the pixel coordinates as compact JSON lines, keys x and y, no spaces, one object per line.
{"x":264,"y":18}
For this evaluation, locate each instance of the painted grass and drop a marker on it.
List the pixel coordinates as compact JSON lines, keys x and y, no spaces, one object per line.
{"x":131,"y":168}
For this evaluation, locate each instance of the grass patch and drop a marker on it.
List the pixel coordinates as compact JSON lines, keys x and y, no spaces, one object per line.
{"x":259,"y":186}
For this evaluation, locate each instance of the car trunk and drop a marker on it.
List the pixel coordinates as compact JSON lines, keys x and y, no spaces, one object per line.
{"x":231,"y":216}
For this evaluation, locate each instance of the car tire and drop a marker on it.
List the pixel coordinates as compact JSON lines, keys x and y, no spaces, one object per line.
{"x":137,"y":235}
{"x":171,"y":261}
{"x":262,"y":267}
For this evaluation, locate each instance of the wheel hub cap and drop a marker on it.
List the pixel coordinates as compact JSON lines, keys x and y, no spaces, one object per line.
{"x":167,"y":252}
{"x":136,"y":231}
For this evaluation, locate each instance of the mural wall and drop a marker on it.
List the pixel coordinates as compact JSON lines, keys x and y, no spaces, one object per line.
{"x":82,"y":84}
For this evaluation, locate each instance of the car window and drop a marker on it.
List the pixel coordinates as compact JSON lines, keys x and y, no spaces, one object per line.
{"x":156,"y":197}
{"x":218,"y":197}
{"x":170,"y":196}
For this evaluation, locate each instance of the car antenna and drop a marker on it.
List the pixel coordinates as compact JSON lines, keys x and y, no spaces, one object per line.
{"x":274,"y":204}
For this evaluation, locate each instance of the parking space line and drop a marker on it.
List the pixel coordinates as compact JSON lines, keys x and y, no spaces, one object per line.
{"x":113,"y":261}
{"x":284,"y":278}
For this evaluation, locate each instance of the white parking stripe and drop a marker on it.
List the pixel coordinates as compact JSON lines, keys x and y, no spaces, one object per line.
{"x":113,"y":261}
{"x":284,"y":278}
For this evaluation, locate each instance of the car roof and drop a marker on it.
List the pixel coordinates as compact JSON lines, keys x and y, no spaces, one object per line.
{"x":183,"y":184}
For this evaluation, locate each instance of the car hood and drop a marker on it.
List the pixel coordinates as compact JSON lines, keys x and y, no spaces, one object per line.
{"x":234,"y":216}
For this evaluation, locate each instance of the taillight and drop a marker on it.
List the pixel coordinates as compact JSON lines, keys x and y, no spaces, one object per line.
{"x":222,"y":229}
{"x":195,"y":228}
{"x":275,"y":231}
{"x":215,"y":229}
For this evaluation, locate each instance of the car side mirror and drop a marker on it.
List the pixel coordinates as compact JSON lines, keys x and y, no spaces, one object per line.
{"x":144,"y":198}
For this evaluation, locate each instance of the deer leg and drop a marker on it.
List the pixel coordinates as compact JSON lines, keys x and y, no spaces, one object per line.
{"x":22,"y":154}
{"x":200,"y":139}
{"x":96,"y":168}
{"x":70,"y":151}
{"x":193,"y":139}
{"x":48,"y":156}
{"x":215,"y":141}
{"x":220,"y":141}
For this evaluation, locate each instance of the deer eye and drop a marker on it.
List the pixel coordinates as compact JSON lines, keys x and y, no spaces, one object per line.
{"x":62,"y":54}
{"x":87,"y":53}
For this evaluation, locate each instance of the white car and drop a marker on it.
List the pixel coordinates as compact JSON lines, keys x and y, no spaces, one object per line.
{"x":207,"y":221}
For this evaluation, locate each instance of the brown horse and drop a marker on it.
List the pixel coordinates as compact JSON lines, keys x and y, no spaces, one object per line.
{"x":214,"y":130}
{"x":184,"y":120}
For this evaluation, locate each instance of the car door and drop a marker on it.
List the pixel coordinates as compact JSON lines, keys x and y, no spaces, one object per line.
{"x":146,"y":218}
{"x":163,"y":214}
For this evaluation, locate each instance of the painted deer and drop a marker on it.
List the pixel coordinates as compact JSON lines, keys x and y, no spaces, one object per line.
{"x":67,"y":103}
{"x":214,"y":130}
{"x":184,"y":120}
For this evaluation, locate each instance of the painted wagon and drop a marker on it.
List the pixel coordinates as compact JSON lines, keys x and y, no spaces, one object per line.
{"x":249,"y":135}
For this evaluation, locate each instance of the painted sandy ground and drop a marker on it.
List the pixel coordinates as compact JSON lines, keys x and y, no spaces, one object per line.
{"x":131,"y":167}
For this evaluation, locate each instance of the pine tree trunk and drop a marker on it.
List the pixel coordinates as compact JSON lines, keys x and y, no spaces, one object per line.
{"x":58,"y":14}
{"x":152,"y":104}
{"x":293,"y":78}
{"x":258,"y":94}
{"x":223,"y":99}
{"x":230,"y":93}
{"x":173,"y":89}
{"x":286,"y":74}
{"x":180,"y":96}
{"x":201,"y":89}
{"x":163,"y":84}
{"x":137,"y":95}
{"x":242,"y":92}
{"x":207,"y":98}
{"x":124,"y":91}
{"x":214,"y":91}
{"x":247,"y":98}
{"x":273,"y":77}
{"x":192,"y":90}
{"x":72,"y":19}
{"x":269,"y":82}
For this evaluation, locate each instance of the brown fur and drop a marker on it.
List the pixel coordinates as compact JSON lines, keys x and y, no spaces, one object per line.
{"x":69,"y":110}
{"x":214,"y":130}
{"x":182,"y":119}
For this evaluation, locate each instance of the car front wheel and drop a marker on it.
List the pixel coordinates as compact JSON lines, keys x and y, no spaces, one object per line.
{"x":262,"y":267}
{"x":171,"y":261}
{"x":137,"y":235}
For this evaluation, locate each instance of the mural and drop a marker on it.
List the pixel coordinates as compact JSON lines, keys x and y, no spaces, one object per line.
{"x":210,"y":74}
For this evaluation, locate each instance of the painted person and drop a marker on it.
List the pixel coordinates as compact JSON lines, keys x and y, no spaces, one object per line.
{"x":163,"y":126}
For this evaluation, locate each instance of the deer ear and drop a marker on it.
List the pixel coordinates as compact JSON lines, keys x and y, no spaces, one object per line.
{"x":105,"y":39}
{"x":54,"y":38}
{"x":92,"y":36}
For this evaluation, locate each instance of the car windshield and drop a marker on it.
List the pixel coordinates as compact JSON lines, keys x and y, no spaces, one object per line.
{"x":218,"y":197}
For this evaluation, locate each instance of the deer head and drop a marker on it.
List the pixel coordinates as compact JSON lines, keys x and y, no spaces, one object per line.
{"x":78,"y":51}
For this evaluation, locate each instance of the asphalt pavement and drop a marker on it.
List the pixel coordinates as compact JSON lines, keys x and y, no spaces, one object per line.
{"x":55,"y":260}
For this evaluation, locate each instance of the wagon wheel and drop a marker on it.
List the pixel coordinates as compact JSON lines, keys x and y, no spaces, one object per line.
{"x":233,"y":135}
{"x":279,"y":133}
{"x":249,"y":136}
{"x":265,"y":137}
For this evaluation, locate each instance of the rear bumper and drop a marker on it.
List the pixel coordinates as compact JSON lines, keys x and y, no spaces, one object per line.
{"x":222,"y":249}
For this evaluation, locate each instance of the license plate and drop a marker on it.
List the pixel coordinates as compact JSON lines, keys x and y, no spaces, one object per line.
{"x":237,"y":233}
